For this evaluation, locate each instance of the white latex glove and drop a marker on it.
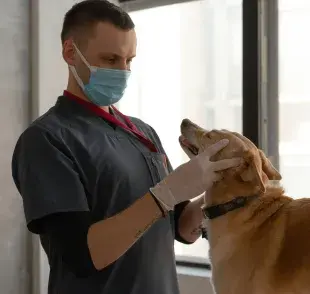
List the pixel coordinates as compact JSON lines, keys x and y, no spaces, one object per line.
{"x":193,"y":178}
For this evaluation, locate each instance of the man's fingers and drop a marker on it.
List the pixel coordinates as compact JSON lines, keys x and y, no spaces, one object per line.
{"x":215,"y":148}
{"x":226,"y":163}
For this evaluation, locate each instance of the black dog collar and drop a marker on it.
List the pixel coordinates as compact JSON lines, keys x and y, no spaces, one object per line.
{"x":221,"y":209}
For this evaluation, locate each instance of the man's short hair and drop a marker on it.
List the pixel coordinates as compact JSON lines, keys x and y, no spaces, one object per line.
{"x":84,"y":15}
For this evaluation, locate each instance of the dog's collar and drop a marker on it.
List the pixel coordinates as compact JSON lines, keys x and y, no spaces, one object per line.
{"x":221,"y":209}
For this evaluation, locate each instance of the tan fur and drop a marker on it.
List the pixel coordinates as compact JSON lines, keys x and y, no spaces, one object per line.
{"x":264,"y":247}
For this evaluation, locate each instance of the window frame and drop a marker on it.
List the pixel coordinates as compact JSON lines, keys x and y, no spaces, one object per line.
{"x":260,"y":76}
{"x":260,"y":103}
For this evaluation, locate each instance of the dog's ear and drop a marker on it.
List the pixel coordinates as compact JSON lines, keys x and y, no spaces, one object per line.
{"x":268,"y":168}
{"x":253,"y":171}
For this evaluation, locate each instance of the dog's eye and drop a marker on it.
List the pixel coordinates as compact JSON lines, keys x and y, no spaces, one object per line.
{"x":209,"y":135}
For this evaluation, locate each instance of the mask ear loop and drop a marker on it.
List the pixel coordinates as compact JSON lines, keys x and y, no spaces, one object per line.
{"x":73,"y":69}
{"x":82,"y":57}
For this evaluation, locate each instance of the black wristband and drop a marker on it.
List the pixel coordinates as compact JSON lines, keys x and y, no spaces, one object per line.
{"x":178,"y":210}
{"x":204,"y":233}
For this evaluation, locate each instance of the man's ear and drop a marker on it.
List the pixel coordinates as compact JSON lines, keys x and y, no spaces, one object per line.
{"x":68,"y":52}
{"x":253,"y":172}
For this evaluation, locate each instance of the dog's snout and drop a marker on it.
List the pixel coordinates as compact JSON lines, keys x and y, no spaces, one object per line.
{"x":185,"y":123}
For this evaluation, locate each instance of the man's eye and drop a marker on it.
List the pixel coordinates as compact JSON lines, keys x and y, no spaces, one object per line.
{"x":111,"y":60}
{"x":129,"y":61}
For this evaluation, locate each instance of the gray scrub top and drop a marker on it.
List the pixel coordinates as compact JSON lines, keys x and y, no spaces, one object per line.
{"x":70,"y":159}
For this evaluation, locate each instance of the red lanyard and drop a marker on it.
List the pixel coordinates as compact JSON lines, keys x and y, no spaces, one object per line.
{"x":129,"y":126}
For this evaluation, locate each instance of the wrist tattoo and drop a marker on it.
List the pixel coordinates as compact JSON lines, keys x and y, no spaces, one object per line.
{"x":142,"y":231}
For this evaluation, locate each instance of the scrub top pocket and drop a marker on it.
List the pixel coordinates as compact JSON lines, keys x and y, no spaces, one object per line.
{"x":157,"y":164}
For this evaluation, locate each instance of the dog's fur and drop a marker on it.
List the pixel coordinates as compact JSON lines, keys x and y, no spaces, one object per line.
{"x":264,"y":247}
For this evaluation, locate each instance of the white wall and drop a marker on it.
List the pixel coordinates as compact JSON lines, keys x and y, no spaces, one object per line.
{"x":15,"y":256}
{"x":50,"y":75}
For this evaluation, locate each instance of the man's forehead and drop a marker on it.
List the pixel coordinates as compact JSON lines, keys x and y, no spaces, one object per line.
{"x":108,"y":38}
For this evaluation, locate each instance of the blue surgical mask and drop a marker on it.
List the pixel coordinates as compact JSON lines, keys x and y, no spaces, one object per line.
{"x":105,"y":86}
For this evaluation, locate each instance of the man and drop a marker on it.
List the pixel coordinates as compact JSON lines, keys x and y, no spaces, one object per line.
{"x":96,"y":185}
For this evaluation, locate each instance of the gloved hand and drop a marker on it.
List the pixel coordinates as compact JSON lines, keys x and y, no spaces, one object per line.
{"x":193,"y":178}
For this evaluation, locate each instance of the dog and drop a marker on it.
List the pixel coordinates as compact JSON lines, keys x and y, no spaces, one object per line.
{"x":259,"y":237}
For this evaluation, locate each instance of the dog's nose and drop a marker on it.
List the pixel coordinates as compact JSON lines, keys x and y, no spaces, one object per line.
{"x":185,"y":123}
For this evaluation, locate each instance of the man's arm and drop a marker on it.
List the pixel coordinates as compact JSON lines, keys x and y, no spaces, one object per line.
{"x":117,"y":234}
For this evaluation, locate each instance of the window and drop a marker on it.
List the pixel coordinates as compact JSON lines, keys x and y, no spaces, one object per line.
{"x":189,"y":63}
{"x":294,"y":95}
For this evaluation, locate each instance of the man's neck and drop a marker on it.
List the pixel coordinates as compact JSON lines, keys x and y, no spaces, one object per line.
{"x":76,"y":90}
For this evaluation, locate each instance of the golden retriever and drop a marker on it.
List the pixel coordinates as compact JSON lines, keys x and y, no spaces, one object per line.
{"x":259,"y":238}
